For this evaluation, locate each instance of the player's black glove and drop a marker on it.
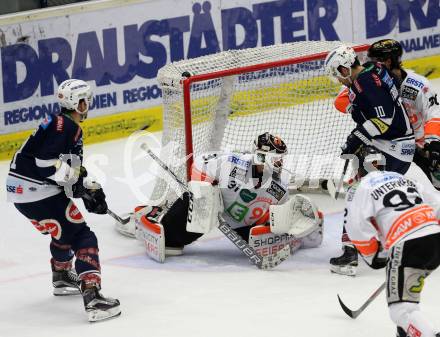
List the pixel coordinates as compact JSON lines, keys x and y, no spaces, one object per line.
{"x":94,"y":201}
{"x":78,"y":188}
{"x":380,"y":259}
{"x":433,"y":151}
{"x":354,"y":142}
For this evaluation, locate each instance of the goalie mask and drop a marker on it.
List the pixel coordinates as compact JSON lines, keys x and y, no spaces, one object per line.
{"x":384,"y":50}
{"x":269,"y":150}
{"x":72,"y":92}
{"x":369,"y":159}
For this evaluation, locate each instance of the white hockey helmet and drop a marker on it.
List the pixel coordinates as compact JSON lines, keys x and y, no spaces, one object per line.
{"x":341,"y":56}
{"x":71,"y":92}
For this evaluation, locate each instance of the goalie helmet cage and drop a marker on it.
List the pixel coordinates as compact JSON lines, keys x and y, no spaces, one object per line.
{"x":223,"y":101}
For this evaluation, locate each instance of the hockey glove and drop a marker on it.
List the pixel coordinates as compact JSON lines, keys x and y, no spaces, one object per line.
{"x":380,"y":259}
{"x":78,"y":188}
{"x":433,"y":151}
{"x":354,"y":142}
{"x":94,"y":201}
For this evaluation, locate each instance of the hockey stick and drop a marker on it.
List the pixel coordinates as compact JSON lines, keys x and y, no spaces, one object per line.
{"x":262,"y":262}
{"x":355,"y":313}
{"x":111,"y":213}
{"x":334,"y":191}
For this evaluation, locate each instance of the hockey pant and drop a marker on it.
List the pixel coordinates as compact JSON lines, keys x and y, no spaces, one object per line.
{"x":174,"y":224}
{"x":409,"y":263}
{"x":59,"y":217}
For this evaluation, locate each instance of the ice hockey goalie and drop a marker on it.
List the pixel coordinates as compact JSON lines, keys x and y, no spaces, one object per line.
{"x":249,"y":190}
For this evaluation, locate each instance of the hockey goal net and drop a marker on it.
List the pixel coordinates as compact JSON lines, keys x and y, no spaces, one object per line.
{"x":223,"y":101}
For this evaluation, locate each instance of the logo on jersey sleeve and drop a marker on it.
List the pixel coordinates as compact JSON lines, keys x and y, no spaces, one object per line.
{"x":409,"y":93}
{"x":238,"y":173}
{"x":45,"y":123}
{"x":239,"y":162}
{"x":276,"y":191}
{"x":14,"y":189}
{"x":60,"y":124}
{"x":237,"y":211}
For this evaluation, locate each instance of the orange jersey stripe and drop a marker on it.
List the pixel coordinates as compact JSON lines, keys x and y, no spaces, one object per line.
{"x":408,"y":221}
{"x":367,"y":248}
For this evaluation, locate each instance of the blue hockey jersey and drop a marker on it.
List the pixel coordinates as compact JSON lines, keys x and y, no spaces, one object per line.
{"x":32,"y":165}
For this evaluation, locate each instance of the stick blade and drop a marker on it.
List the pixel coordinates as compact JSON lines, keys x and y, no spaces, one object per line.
{"x":349,"y":312}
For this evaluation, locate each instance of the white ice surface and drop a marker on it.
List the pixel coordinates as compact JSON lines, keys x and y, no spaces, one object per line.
{"x":210,"y":291}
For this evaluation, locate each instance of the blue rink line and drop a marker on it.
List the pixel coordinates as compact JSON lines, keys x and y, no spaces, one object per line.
{"x":220,"y":254}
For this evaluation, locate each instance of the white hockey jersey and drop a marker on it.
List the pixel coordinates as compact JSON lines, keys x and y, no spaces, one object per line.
{"x":386,"y":207}
{"x":422,"y":106}
{"x":246,"y":201}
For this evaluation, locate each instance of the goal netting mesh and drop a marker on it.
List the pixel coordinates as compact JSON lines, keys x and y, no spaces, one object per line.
{"x":231,"y":97}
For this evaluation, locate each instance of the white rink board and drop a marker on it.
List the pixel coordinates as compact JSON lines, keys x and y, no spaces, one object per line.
{"x":120,"y":58}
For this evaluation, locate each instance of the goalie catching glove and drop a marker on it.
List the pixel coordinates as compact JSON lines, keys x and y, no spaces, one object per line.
{"x":298,"y":217}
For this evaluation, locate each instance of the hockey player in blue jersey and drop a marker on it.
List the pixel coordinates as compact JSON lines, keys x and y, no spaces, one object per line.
{"x":381,"y":121}
{"x":46,"y":168}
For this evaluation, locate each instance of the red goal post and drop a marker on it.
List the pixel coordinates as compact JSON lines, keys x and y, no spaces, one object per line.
{"x":223,"y":101}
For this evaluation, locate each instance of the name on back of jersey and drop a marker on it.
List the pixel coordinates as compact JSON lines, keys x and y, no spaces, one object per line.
{"x":380,"y":191}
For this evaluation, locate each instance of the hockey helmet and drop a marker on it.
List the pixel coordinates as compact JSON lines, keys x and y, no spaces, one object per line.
{"x":71,"y":92}
{"x":383,"y":50}
{"x":344,"y":56}
{"x":369,"y":159}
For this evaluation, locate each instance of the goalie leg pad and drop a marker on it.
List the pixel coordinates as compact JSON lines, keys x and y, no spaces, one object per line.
{"x":314,"y":239}
{"x":154,"y":239}
{"x":264,"y":242}
{"x":298,"y":216}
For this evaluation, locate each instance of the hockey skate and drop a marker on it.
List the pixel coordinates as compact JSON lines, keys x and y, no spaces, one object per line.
{"x":98,"y":307}
{"x":65,"y":282}
{"x":346,"y":264}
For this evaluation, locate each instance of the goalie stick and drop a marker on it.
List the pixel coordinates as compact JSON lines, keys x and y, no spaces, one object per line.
{"x":355,"y":313}
{"x":262,"y":262}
